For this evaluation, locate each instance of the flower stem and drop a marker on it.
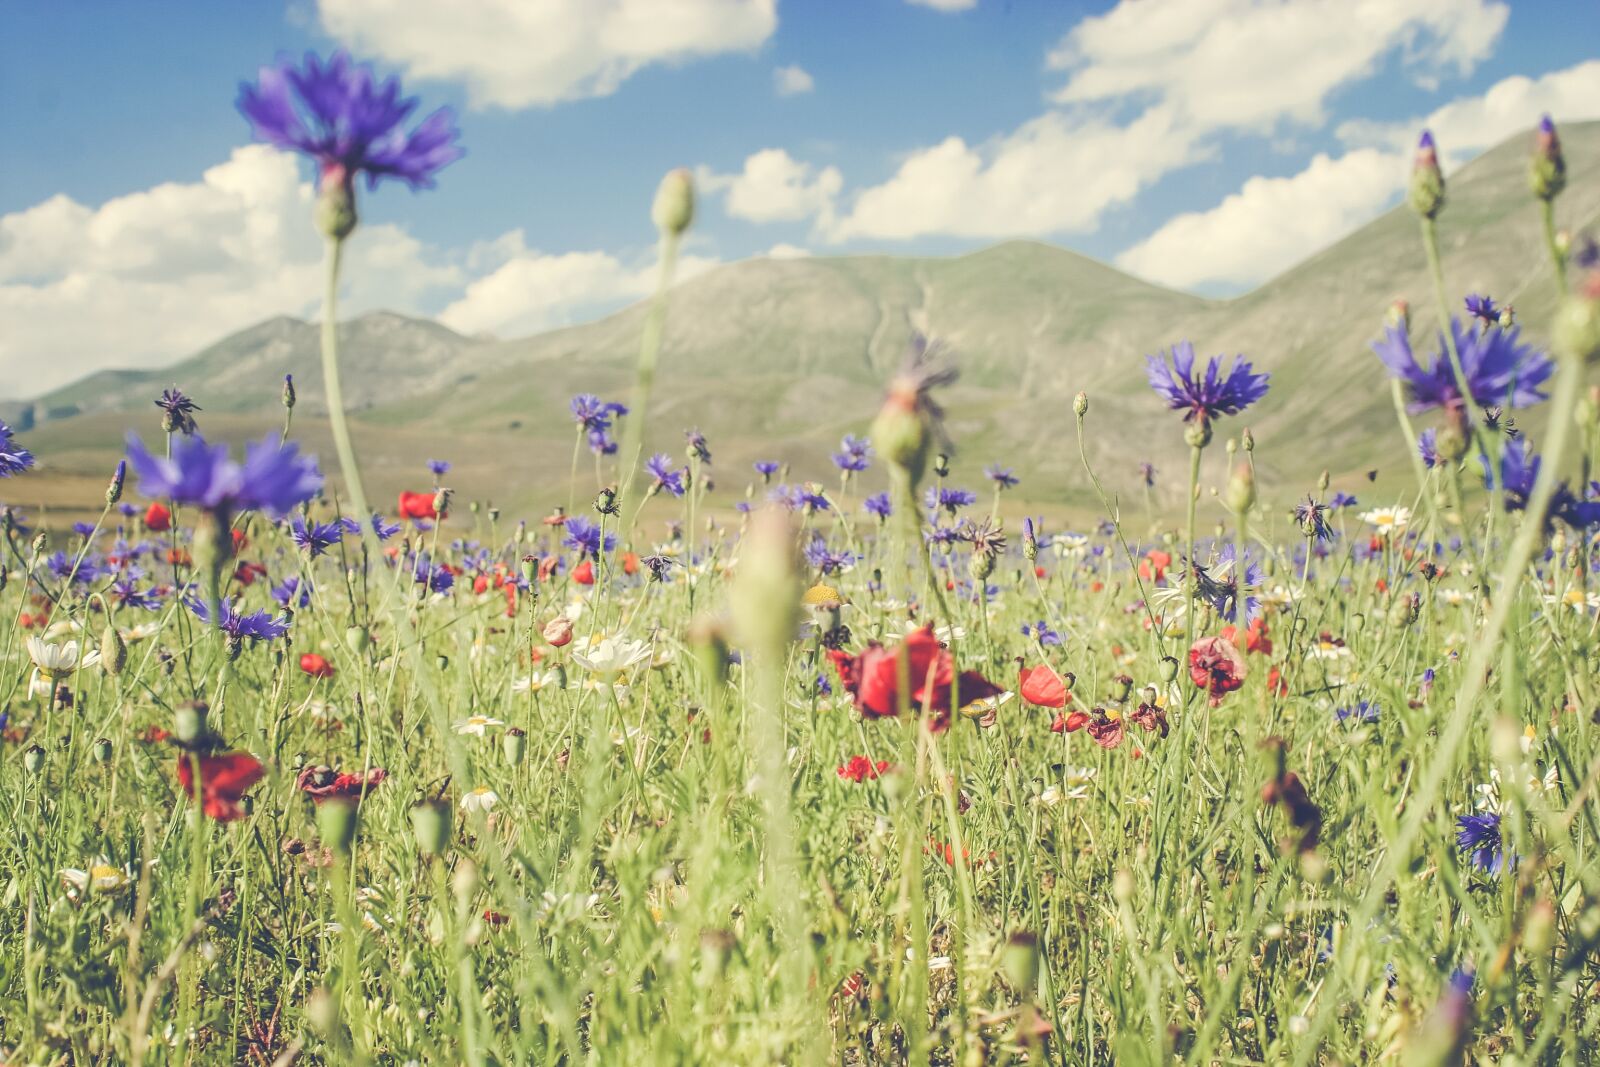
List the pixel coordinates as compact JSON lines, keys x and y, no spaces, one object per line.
{"x":645,"y":376}
{"x":330,"y":381}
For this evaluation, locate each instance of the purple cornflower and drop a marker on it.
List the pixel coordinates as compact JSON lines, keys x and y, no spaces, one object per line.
{"x":348,"y":122}
{"x":273,"y":478}
{"x":1364,"y":711}
{"x":439,"y":467}
{"x":439,"y":579}
{"x":292,"y":589}
{"x":1480,"y":835}
{"x":1428,"y":447}
{"x":584,"y":536}
{"x":83,"y":529}
{"x":1483,"y":309}
{"x":1312,"y":516}
{"x":878,"y":504}
{"x":659,"y":467}
{"x":854,"y":455}
{"x":1203,"y":399}
{"x":1041,"y":632}
{"x":1519,"y":470}
{"x":384,"y":530}
{"x":1147,"y":473}
{"x":1002,"y":477}
{"x":825,"y":559}
{"x":128,"y":595}
{"x":950,"y":500}
{"x":257,"y":626}
{"x":1218,"y":583}
{"x":699,"y":449}
{"x":767,"y":468}
{"x":316,"y":537}
{"x":594,"y":417}
{"x":1342,"y":500}
{"x":806,"y":497}
{"x":177,"y":412}
{"x":1498,"y":370}
{"x":14,"y":459}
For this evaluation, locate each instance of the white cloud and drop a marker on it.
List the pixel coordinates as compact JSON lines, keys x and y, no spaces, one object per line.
{"x":155,"y":275}
{"x":792,"y":80}
{"x":1249,"y":64}
{"x":945,"y":5}
{"x":1270,"y":223}
{"x":1052,"y":175}
{"x":1471,"y":124}
{"x":521,"y":53}
{"x":776,"y":187}
{"x":783,"y":250}
{"x":532,"y":291}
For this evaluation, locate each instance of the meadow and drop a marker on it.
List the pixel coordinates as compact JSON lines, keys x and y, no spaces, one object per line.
{"x":873,"y":766}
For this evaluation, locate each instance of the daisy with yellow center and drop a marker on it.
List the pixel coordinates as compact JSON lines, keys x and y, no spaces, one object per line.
{"x":100,"y":878}
{"x":476,"y":724}
{"x":480,"y":799}
{"x":1389,"y":521}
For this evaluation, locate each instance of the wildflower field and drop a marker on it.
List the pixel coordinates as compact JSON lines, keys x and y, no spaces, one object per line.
{"x":832,"y":763}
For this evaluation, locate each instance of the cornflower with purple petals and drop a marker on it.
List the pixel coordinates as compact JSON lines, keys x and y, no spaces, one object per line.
{"x":340,"y":115}
{"x":1519,"y":470}
{"x":583,"y":535}
{"x":1480,"y":835}
{"x":1339,"y":501}
{"x":1363,"y":711}
{"x":594,"y":418}
{"x":273,"y":478}
{"x":384,"y":530}
{"x":1218,"y":583}
{"x":699,"y":449}
{"x":1483,"y":309}
{"x":439,"y":467}
{"x":177,"y":412}
{"x":1428,"y":447}
{"x":14,"y":459}
{"x":292,"y":589}
{"x":1497,"y":369}
{"x":766,"y":468}
{"x":878,"y":504}
{"x":127,"y":594}
{"x":316,"y":537}
{"x":1312,"y":517}
{"x":660,"y":469}
{"x":1002,"y":477}
{"x":807,"y":498}
{"x":1041,"y":632}
{"x":256,"y":626}
{"x":948,"y":499}
{"x":1147,"y":474}
{"x":854,"y":455}
{"x":825,"y":559}
{"x":1203,"y":399}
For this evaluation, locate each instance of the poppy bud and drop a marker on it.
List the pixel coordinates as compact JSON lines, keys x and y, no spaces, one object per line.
{"x":335,"y":213}
{"x":288,"y":391}
{"x":189,"y":722}
{"x":102,"y":750}
{"x":118,"y":476}
{"x":33,"y":759}
{"x":1247,"y":440}
{"x":494,"y":513}
{"x":1241,"y":496}
{"x":113,"y":651}
{"x":1030,"y":541}
{"x":1426,"y":192}
{"x":515,"y":744}
{"x":464,"y":880}
{"x":1019,"y":961}
{"x":673,"y":209}
{"x":430,"y":825}
{"x":41,"y":541}
{"x":980,"y":566}
{"x":1323,"y":482}
{"x":558,"y":631}
{"x":441,"y":501}
{"x":1080,"y":404}
{"x":900,"y":433}
{"x":336,"y":824}
{"x":1547,"y":174}
{"x":766,"y":591}
{"x":941,"y":465}
{"x":1576,"y":333}
{"x":530,"y":569}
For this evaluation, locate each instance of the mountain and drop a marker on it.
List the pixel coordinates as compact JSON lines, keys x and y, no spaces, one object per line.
{"x":780,"y":357}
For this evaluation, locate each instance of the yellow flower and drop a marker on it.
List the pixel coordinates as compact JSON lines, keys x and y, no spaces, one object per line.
{"x":822,"y":596}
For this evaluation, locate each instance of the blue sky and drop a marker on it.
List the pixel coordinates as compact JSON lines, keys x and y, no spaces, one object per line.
{"x":1204,"y":144}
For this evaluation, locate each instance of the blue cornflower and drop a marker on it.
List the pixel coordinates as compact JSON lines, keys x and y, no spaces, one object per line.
{"x":1002,"y":477}
{"x":698,"y":448}
{"x":766,"y":468}
{"x":439,"y":467}
{"x":659,"y":467}
{"x":317,"y":537}
{"x":1480,"y":835}
{"x":824,"y":687}
{"x":1312,"y":516}
{"x":1428,"y":447}
{"x":878,"y":504}
{"x":177,"y":412}
{"x":257,"y":626}
{"x":584,"y":536}
{"x":951,"y":500}
{"x":273,"y":478}
{"x":1364,"y":711}
{"x":855,"y":454}
{"x":83,"y":529}
{"x":1147,"y":473}
{"x":348,"y":122}
{"x":82,"y":571}
{"x":14,"y":459}
{"x":1519,"y":469}
{"x":1218,"y":583}
{"x":825,"y":559}
{"x":128,"y":595}
{"x":1340,"y":501}
{"x":594,"y":417}
{"x":1041,"y":633}
{"x":1203,"y":399}
{"x":805,"y":497}
{"x":439,"y":579}
{"x":1498,"y":370}
{"x":292,"y":589}
{"x":1483,"y":309}
{"x":384,"y":530}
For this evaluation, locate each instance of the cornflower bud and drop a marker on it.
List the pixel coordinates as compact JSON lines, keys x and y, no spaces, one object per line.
{"x":1426,"y":192}
{"x":118,"y":476}
{"x":1547,"y":174}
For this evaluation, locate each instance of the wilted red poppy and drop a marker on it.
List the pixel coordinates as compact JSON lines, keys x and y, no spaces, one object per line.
{"x":1216,"y":666}
{"x":223,"y":781}
{"x":558,"y":631}
{"x":873,"y":677}
{"x":320,"y":783}
{"x":547,"y":567}
{"x":418,"y":506}
{"x":1107,"y":732}
{"x":1042,"y":686}
{"x":583,"y":573}
{"x":157,"y":518}
{"x":316,"y":666}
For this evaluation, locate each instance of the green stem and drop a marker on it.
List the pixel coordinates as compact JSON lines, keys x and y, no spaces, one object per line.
{"x":330,"y":381}
{"x":645,"y":375}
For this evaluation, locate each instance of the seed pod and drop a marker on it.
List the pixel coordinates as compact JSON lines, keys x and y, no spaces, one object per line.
{"x":113,"y":651}
{"x":430,"y":825}
{"x":673,"y":209}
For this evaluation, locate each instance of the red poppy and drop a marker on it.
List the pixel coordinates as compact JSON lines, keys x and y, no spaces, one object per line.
{"x":1275,"y":683}
{"x":1042,"y":686}
{"x":480,"y":584}
{"x":247,"y":573}
{"x":418,"y":506}
{"x":630,"y":563}
{"x":157,"y":518}
{"x":1216,"y":666}
{"x":583,"y":573}
{"x":320,"y":783}
{"x":873,"y":677}
{"x":1038,"y":572}
{"x":1154,"y":567}
{"x":861,"y":769}
{"x":179,"y":557}
{"x":316,"y":666}
{"x":1071,"y":722}
{"x":223,"y":781}
{"x":241,"y":541}
{"x":1255,"y":638}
